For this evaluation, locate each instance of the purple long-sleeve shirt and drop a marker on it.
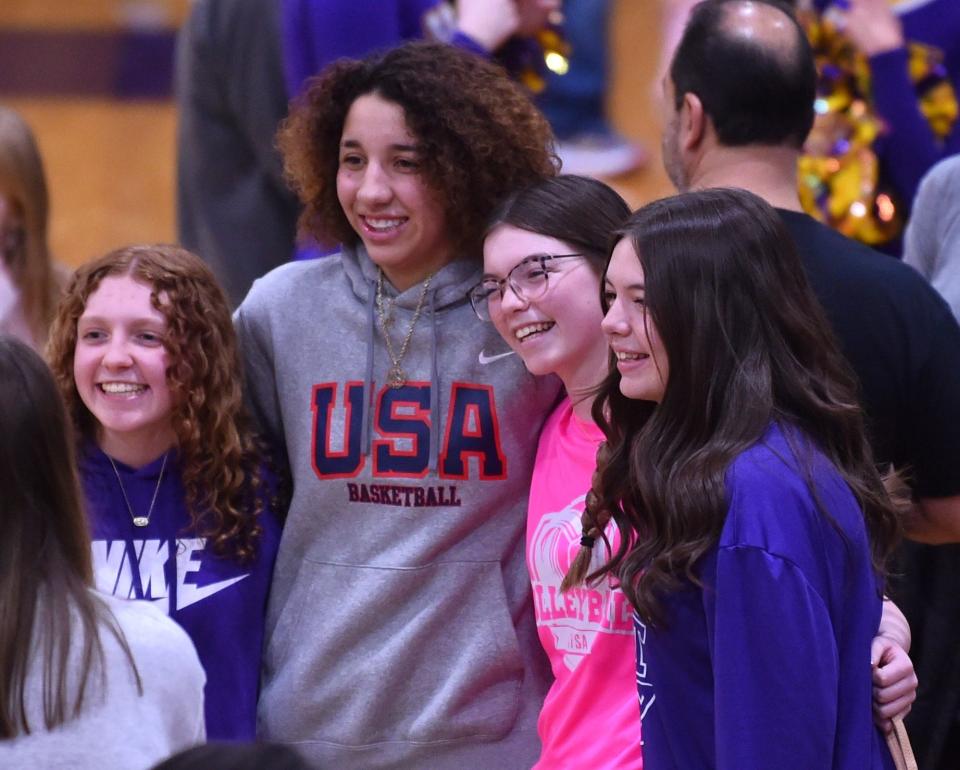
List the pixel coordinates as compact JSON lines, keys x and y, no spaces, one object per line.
{"x":767,"y":664}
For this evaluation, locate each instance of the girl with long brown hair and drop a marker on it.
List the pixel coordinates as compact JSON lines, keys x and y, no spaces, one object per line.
{"x":86,"y":680}
{"x":179,"y":494}
{"x":30,"y":282}
{"x":754,"y":526}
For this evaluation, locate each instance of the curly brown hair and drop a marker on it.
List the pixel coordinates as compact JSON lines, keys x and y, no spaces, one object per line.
{"x":479,"y":135}
{"x":221,"y":456}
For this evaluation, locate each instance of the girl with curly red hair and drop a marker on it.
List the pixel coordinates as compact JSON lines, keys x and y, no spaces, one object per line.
{"x":178,"y":491}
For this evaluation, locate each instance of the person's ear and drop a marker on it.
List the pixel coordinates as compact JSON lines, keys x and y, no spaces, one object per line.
{"x":693,"y":122}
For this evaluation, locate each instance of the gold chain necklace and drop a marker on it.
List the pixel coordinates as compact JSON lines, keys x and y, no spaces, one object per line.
{"x":396,"y":377}
{"x":140,"y":521}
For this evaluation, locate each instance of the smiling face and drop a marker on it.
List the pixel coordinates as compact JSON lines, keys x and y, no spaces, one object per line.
{"x":120,"y":369}
{"x":558,"y":332}
{"x":630,"y":331}
{"x":384,"y":195}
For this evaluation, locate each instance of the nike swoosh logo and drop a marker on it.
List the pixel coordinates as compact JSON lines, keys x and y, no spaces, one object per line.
{"x":189,"y":593}
{"x":485,"y":359}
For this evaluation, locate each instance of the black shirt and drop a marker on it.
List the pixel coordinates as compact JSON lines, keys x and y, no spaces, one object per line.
{"x":904,"y":345}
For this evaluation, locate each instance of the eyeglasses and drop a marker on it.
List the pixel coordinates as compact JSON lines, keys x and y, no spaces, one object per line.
{"x":528,"y":281}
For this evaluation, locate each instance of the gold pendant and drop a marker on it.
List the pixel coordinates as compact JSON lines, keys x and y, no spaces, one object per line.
{"x":140,"y":521}
{"x":396,"y":378}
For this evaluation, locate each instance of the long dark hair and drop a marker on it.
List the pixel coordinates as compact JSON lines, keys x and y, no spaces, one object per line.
{"x":46,"y":571}
{"x":747,"y":345}
{"x":577,"y":210}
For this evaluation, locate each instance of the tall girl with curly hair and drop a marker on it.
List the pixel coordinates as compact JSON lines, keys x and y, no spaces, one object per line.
{"x":400,"y":631}
{"x":178,"y":490}
{"x":753,"y":525}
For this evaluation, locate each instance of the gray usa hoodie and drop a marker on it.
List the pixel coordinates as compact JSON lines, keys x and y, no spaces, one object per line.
{"x":400,"y":629}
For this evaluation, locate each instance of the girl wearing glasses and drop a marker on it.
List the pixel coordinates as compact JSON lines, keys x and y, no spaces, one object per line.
{"x":400,"y":630}
{"x":544,"y":256}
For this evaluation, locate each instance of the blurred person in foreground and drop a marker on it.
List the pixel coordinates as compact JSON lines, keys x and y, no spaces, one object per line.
{"x":86,"y":680}
{"x":30,"y":282}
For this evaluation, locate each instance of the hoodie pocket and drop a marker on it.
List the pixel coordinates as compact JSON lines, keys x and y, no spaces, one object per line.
{"x":363,"y":655}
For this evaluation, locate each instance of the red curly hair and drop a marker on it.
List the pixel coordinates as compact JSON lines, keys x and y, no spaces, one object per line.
{"x":221,"y":456}
{"x":479,"y":135}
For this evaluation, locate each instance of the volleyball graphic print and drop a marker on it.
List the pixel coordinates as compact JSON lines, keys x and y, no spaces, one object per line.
{"x":577,"y":617}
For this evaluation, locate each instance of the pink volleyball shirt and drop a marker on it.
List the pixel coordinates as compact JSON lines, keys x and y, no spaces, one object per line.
{"x":591,"y":717}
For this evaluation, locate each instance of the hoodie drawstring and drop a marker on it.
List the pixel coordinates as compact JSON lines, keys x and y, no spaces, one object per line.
{"x":434,"y":389}
{"x":368,"y":383}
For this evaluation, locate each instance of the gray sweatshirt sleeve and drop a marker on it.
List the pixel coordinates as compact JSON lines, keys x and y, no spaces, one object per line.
{"x":252,"y":324}
{"x":932,"y":240}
